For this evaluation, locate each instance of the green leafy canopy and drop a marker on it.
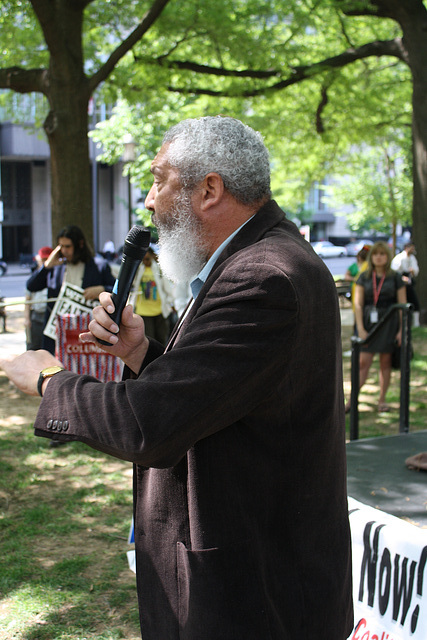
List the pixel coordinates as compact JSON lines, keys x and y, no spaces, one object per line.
{"x":229,"y":57}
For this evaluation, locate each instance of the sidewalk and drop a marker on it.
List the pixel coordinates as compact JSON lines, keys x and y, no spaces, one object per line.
{"x":13,"y":341}
{"x":347,"y":317}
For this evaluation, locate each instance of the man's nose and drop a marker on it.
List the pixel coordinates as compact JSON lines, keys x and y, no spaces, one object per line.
{"x":149,"y":200}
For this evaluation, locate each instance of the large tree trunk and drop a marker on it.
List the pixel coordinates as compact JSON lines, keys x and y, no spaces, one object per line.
{"x":420,"y":187}
{"x":66,"y":127}
{"x":415,"y":30}
{"x":68,"y":90}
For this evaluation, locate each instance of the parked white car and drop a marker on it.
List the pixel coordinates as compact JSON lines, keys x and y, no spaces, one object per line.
{"x":354,"y":247}
{"x":326,"y":249}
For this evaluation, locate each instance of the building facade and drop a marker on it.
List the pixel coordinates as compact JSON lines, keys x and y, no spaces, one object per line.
{"x":25,"y":218}
{"x":328,"y":221}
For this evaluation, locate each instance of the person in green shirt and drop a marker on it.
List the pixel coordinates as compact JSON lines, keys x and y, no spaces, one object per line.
{"x":355,"y":269}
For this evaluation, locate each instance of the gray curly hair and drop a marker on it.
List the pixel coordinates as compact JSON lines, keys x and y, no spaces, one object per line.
{"x":198,"y":146}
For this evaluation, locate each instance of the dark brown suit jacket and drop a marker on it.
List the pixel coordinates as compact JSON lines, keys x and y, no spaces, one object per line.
{"x":237,"y":435}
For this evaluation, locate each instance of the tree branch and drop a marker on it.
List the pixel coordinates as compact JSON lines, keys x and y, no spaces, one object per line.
{"x":79,"y":4}
{"x":320,"y":128}
{"x":353,"y":54}
{"x":356,"y":8}
{"x":148,"y":20}
{"x":393,"y":9}
{"x":216,"y":71}
{"x":23,"y":80}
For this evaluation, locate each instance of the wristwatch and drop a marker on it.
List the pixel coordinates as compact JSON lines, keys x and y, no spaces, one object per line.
{"x":47,"y":373}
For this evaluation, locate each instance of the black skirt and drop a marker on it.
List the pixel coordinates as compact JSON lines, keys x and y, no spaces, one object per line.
{"x":384,"y":340}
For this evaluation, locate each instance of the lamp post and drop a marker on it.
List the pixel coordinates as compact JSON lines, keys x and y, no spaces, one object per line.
{"x":129,"y":156}
{"x":94,"y":167}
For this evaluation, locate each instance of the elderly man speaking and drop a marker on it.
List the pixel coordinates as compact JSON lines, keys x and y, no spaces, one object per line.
{"x":236,"y":429}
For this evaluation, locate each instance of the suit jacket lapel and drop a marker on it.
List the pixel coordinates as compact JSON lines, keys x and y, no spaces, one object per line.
{"x":178,"y":326}
{"x":267,"y":217}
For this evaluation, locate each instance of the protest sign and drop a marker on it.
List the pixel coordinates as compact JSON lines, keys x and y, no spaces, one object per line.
{"x":85,"y":358}
{"x":389,"y":577}
{"x":70,"y":316}
{"x":70,"y":301}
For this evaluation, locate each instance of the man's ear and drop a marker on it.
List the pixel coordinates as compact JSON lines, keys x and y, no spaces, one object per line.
{"x":212,"y":191}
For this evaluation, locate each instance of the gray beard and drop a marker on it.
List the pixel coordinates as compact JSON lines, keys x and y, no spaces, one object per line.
{"x":182,"y":249}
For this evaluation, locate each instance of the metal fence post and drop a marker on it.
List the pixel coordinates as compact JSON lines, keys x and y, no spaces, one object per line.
{"x":405,"y":368}
{"x":354,"y":398}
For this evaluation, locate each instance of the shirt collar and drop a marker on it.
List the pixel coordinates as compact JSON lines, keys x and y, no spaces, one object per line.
{"x":201,"y":278}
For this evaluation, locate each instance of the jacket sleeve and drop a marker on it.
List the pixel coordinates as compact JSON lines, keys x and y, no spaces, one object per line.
{"x":223,"y":365}
{"x":106,"y":277}
{"x":38,"y":280}
{"x":97,"y":272}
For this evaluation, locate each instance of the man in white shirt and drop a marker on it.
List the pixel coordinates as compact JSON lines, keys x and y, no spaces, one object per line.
{"x":406,"y":264}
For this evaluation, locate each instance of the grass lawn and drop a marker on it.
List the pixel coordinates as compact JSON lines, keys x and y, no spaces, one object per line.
{"x":64,"y":520}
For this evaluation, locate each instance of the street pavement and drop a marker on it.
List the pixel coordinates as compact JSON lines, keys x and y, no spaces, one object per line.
{"x":13,"y":341}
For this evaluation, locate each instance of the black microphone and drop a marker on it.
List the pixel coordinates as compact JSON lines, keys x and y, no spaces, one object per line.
{"x":136,"y":244}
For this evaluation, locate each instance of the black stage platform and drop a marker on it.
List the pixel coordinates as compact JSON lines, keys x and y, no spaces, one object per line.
{"x":377,"y":475}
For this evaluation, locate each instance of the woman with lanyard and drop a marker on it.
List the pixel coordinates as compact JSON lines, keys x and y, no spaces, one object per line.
{"x":376,"y":290}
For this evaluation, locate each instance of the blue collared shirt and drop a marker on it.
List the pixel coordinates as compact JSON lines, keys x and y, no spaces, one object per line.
{"x":200,"y":279}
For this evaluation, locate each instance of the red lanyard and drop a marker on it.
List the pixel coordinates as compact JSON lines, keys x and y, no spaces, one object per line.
{"x":376,"y":290}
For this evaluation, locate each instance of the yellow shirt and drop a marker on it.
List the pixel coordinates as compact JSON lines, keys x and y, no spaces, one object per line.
{"x":148,"y":301}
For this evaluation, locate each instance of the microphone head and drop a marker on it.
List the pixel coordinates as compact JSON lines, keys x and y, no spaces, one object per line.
{"x":137,"y":242}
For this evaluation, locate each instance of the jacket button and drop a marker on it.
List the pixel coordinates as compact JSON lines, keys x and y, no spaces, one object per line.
{"x":65,"y":425}
{"x":59,"y":427}
{"x":49,"y":424}
{"x":54,"y":425}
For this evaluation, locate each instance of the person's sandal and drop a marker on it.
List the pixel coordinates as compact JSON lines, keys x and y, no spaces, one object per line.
{"x":383,"y":408}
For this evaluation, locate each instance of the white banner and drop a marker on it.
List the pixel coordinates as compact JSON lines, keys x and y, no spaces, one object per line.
{"x":389,"y":577}
{"x":70,"y":301}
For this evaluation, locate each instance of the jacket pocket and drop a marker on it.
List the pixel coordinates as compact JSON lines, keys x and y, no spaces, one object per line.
{"x":220,"y":595}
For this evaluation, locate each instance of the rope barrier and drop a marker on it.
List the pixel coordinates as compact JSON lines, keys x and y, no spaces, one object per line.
{"x":10,"y":304}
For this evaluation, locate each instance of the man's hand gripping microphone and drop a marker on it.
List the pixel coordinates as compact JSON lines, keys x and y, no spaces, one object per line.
{"x":136,"y":244}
